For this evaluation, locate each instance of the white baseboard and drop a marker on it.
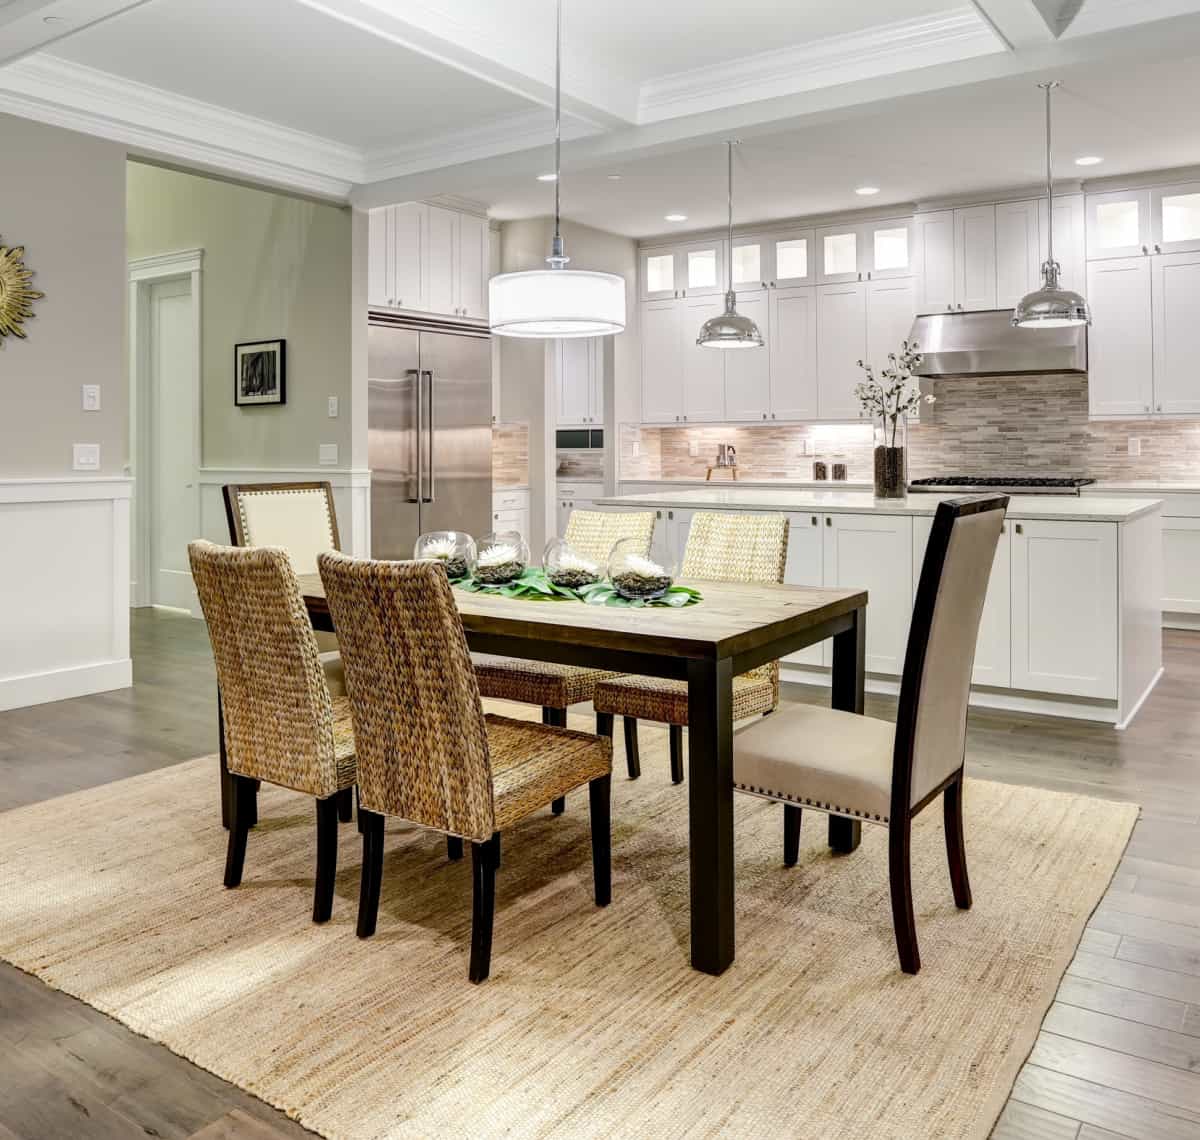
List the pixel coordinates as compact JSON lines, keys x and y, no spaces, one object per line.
{"x":62,"y":684}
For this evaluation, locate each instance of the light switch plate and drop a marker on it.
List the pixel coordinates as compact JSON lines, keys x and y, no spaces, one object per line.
{"x":693,"y":448}
{"x":1135,"y":445}
{"x":87,"y":456}
{"x":91,"y":397}
{"x":333,"y":407}
{"x":637,"y":449}
{"x":327,"y":453}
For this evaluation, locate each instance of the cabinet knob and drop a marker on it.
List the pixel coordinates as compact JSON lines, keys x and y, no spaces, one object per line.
{"x":764,"y":284}
{"x":814,"y":520}
{"x":1145,"y":249}
{"x":949,"y":308}
{"x":1147,"y":407}
{"x":868,"y":275}
{"x":764,"y":415}
{"x":1159,"y":407}
{"x":670,"y":514}
{"x":772,"y":284}
{"x":828,"y":521}
{"x":1157,"y":248}
{"x":1019,"y":529}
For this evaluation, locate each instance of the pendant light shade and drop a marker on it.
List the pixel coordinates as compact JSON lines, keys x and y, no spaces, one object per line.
{"x":1051,"y":306}
{"x":730,"y":329}
{"x":557,"y":302}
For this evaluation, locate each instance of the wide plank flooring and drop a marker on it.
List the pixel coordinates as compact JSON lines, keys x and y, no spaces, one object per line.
{"x":1119,"y":1053}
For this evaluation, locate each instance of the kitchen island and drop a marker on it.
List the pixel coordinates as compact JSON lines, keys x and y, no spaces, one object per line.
{"x":1072,"y":621}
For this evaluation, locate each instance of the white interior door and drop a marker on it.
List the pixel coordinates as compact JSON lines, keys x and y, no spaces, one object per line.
{"x":169,"y":489}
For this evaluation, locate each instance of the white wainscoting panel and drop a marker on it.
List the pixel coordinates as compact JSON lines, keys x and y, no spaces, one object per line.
{"x":65,"y":585}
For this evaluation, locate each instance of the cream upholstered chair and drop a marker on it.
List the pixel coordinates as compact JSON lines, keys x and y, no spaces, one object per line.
{"x":554,"y":687}
{"x":280,"y":723}
{"x":427,"y":753}
{"x":726,"y":546}
{"x":852,"y":765}
{"x":300,"y":518}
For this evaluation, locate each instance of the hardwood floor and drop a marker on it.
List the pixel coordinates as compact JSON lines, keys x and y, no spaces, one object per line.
{"x":1118,"y":1056}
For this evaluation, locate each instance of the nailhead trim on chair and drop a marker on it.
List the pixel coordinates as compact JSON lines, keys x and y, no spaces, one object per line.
{"x":244,"y":495}
{"x":835,"y":809}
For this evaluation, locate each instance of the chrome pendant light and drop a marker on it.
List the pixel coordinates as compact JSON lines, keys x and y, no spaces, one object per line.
{"x":730,"y":329}
{"x":1051,"y":306}
{"x":557,"y":302}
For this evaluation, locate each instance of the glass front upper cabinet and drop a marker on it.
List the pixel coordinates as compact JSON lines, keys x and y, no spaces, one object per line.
{"x":749,"y":264}
{"x":792,"y":261}
{"x":887,"y":249}
{"x":1118,"y":224}
{"x":838,"y":249}
{"x":700,"y":269}
{"x":1176,"y":214}
{"x":658,"y":276}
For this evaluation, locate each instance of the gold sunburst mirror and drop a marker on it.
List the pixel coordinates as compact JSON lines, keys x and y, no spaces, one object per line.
{"x":16,"y":294}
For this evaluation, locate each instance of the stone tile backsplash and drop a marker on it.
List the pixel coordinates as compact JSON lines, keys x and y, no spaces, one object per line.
{"x":510,"y":455}
{"x":1033,"y":425}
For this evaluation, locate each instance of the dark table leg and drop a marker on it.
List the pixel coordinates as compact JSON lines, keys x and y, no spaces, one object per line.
{"x":710,"y":812}
{"x":248,"y":792}
{"x":849,"y":657}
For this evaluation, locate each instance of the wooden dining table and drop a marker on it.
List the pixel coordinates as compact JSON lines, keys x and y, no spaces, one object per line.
{"x":735,"y":627}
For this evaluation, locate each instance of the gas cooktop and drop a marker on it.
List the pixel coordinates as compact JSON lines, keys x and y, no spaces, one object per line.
{"x":1017,"y":484}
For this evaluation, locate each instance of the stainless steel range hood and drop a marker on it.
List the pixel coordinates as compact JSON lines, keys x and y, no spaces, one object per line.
{"x":986,"y":344}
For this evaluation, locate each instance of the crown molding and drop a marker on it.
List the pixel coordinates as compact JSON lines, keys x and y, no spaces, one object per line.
{"x":159,"y":124}
{"x":906,"y":45}
{"x":1108,"y":15}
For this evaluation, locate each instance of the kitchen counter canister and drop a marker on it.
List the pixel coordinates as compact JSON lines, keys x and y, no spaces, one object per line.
{"x":1072,"y":624}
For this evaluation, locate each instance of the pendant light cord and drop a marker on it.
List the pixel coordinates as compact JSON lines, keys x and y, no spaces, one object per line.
{"x":557,"y":117}
{"x":1048,"y":87}
{"x":729,"y":252}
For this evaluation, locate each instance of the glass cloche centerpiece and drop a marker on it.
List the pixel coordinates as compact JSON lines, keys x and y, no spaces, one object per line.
{"x":501,"y":558}
{"x":452,"y":548}
{"x":565,"y":567}
{"x":635,"y":576}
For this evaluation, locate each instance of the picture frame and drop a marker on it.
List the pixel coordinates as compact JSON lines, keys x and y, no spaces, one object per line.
{"x":259,"y":373}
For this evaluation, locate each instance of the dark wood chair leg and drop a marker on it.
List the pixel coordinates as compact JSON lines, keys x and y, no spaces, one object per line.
{"x":358,"y":808}
{"x":241,"y":795}
{"x":633,"y":757}
{"x":845,"y":834}
{"x":454,"y":847}
{"x":956,"y":851}
{"x":557,"y":718}
{"x":327,"y":841}
{"x":675,"y":731}
{"x":345,"y":805}
{"x":600,"y":808}
{"x":484,"y":859}
{"x":791,"y":834}
{"x":371,"y":825}
{"x":900,"y":876}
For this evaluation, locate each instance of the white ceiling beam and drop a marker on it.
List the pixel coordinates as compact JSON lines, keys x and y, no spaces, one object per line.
{"x":1021,"y":23}
{"x":506,"y":54}
{"x":29,"y":25}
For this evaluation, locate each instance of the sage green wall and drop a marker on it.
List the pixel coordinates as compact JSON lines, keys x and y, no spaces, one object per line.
{"x":62,"y":197}
{"x":274,"y":266}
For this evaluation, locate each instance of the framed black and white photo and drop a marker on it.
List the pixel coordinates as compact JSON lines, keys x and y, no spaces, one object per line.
{"x":258,"y":373}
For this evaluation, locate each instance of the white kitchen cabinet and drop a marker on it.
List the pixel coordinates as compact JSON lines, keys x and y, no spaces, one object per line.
{"x":380,"y":289}
{"x":793,"y":353}
{"x":887,"y":249}
{"x":1175,"y":303}
{"x":891,"y":309}
{"x":694,"y":269}
{"x":993,"y":648}
{"x":510,"y":511}
{"x":662,"y":363}
{"x":1118,"y":224}
{"x":791,"y":259}
{"x":396,"y":237}
{"x":748,"y":257}
{"x":841,"y":343}
{"x":933,"y":261}
{"x":1175,"y":218}
{"x":748,"y":370}
{"x":1065,"y":607}
{"x":975,"y":258}
{"x":1070,"y":242}
{"x":839,"y":254}
{"x":578,"y":382}
{"x":671,"y":527}
{"x":1120,"y":341}
{"x":805,"y":566}
{"x":656,"y":275}
{"x":472,"y":266}
{"x":1018,"y":256}
{"x":574,"y":497}
{"x":1181,"y":565}
{"x":874,"y":552}
{"x":703,"y":368}
{"x":441,"y":294}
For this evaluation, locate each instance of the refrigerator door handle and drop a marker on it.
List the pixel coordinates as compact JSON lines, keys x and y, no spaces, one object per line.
{"x":416,"y":375}
{"x":432,"y":436}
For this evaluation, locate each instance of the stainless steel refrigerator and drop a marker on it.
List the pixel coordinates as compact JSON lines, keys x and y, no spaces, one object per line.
{"x":429,"y":424}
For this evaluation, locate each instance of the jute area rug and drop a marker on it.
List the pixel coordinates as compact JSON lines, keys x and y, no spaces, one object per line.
{"x":592,"y":1024}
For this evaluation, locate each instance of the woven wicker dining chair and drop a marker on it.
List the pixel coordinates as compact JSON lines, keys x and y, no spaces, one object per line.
{"x":554,"y":687}
{"x":722,"y":546}
{"x":426,"y":751}
{"x":280,"y":723}
{"x":807,"y":756}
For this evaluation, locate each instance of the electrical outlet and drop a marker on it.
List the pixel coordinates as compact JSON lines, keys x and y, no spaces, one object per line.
{"x":327,"y":453}
{"x":91,"y":397}
{"x":1135,"y":445}
{"x":86,"y":456}
{"x":637,"y":449}
{"x":333,"y":407}
{"x":693,"y":448}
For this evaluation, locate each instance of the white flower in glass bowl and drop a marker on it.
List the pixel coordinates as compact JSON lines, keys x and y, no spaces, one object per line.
{"x":565,"y":567}
{"x":635,"y":576}
{"x":452,"y":548}
{"x":502,"y":557}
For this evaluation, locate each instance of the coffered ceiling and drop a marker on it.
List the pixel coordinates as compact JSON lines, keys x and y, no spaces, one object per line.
{"x":385,"y":100}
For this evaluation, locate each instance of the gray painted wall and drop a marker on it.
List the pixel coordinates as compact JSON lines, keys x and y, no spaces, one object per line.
{"x":274,"y":266}
{"x":62,"y":196}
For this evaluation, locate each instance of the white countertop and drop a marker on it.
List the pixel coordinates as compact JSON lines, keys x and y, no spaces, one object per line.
{"x":1090,"y":508}
{"x":720,"y":481}
{"x":1144,"y":486}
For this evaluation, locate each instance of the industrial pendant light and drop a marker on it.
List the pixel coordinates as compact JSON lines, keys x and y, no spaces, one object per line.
{"x":556,"y":302}
{"x":730,"y":329}
{"x":1051,"y":306}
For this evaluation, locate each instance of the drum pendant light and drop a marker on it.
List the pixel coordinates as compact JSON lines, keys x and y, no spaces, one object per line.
{"x":1051,"y":306}
{"x":557,"y":302}
{"x":730,"y":329}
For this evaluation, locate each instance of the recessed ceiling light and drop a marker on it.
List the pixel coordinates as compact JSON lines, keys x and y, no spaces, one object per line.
{"x":866,"y":191}
{"x":551,"y":177}
{"x":614,"y":178}
{"x":53,"y":20}
{"x":675,"y":217}
{"x":1088,"y":160}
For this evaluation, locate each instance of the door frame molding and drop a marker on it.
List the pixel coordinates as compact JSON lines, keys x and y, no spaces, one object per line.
{"x":145,"y":272}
